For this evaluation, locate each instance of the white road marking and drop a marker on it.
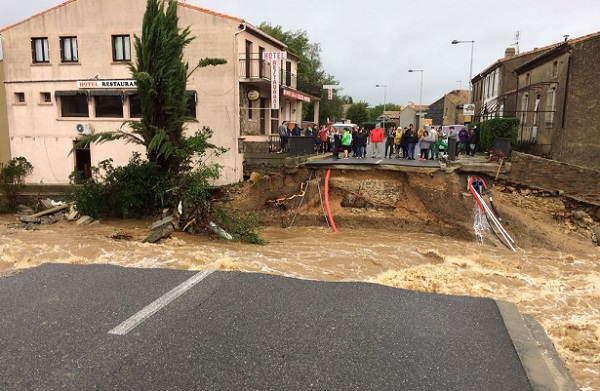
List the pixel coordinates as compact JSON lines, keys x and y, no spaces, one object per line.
{"x":159,"y":303}
{"x":378,"y":161}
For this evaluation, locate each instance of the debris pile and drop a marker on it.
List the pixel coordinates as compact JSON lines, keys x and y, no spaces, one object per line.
{"x":576,"y":216}
{"x":161,"y":229}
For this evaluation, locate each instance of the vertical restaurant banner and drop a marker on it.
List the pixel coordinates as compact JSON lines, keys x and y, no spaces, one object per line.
{"x":274,"y":59}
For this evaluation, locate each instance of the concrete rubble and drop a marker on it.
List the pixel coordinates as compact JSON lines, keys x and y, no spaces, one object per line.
{"x":577,"y":215}
{"x":37,"y":217}
{"x":161,"y":229}
{"x":84,"y":220}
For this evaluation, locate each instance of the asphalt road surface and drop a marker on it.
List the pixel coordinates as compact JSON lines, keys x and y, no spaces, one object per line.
{"x":72,"y":327}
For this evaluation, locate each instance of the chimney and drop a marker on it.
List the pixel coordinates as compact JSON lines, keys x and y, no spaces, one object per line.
{"x":509,"y":52}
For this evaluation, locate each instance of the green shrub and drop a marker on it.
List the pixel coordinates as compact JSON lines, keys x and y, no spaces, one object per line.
{"x":89,"y":199}
{"x":12,"y":179}
{"x":495,"y":128}
{"x":135,"y":190}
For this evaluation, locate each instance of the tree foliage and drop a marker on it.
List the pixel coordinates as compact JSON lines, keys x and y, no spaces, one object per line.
{"x":358,"y":113}
{"x":310,"y":70}
{"x":497,"y":128}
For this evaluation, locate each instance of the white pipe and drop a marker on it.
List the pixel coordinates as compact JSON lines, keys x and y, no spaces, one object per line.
{"x":505,"y":234}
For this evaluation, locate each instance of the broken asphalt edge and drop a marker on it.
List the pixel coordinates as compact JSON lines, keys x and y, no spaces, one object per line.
{"x":538,"y":356}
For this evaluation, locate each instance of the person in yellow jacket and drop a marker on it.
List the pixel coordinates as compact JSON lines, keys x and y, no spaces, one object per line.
{"x":397,"y":141}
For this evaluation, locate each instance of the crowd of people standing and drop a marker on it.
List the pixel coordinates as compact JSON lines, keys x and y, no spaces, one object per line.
{"x":427,"y":143}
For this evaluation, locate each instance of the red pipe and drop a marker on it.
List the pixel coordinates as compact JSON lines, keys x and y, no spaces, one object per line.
{"x":473,"y":191}
{"x":327,"y":208}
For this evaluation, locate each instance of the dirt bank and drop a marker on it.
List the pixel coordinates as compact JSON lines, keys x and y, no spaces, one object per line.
{"x":435,"y":203}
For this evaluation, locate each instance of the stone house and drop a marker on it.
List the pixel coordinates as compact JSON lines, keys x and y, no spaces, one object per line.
{"x":408,"y":115}
{"x":392,"y":116}
{"x":448,"y":110}
{"x":559,"y":110}
{"x":66,"y":75}
{"x":494,"y":88}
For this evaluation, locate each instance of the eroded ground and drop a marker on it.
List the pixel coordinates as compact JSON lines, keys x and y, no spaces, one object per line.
{"x":409,"y":231}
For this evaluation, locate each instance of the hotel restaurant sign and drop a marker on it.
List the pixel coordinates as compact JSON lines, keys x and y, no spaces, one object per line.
{"x":274,"y":58}
{"x":106,"y":84}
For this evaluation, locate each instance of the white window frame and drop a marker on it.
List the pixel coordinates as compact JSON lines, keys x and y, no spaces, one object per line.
{"x":550,"y":105}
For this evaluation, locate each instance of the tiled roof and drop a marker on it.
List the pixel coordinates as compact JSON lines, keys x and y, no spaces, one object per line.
{"x":392,"y":113}
{"x":207,"y":11}
{"x":179,"y":3}
{"x":558,"y":48}
{"x":36,"y":15}
{"x":583,"y":38}
{"x":540,"y":51}
{"x":458,"y":96}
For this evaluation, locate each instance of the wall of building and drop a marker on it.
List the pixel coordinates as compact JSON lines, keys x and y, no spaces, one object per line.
{"x":436,"y":112}
{"x":408,"y":116}
{"x":581,"y":142}
{"x":539,"y":122}
{"x":5,"y":154}
{"x":452,"y":113}
{"x":37,"y":128}
{"x":549,"y":174}
{"x":502,"y":102}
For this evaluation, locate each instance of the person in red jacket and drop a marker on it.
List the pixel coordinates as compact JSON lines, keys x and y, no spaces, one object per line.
{"x":322,"y":135}
{"x":376,"y":138}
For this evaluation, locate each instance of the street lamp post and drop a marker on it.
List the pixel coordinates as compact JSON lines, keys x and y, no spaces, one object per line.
{"x":420,"y":95}
{"x":471,"y":67}
{"x":384,"y":96}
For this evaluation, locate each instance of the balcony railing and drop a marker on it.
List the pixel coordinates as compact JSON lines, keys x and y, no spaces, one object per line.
{"x":255,"y":69}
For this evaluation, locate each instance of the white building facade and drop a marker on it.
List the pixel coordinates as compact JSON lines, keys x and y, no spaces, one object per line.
{"x":66,"y":74}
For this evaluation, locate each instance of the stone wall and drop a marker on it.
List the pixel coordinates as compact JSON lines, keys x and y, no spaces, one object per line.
{"x":581,"y":145}
{"x":537,"y":172}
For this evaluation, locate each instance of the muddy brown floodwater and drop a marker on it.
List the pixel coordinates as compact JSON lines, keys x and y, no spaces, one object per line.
{"x":561,"y":290}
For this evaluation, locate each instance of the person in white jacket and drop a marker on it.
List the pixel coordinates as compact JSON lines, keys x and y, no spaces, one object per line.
{"x":434,"y":139}
{"x":426,"y":142}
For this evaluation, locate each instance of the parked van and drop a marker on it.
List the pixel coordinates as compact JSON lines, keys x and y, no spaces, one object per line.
{"x":446,"y":129}
{"x":340,"y":126}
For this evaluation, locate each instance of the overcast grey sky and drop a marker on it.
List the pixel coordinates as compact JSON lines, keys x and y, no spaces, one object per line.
{"x":369,"y":42}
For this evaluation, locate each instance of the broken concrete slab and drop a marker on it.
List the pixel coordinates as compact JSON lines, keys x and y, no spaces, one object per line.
{"x":72,"y":215}
{"x":35,"y":218}
{"x":47,"y":203}
{"x":25,"y":211}
{"x":84,"y":220}
{"x":161,"y":223}
{"x":159,"y":234}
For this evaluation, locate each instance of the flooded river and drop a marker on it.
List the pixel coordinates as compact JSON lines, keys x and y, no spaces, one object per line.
{"x":560,"y":290}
